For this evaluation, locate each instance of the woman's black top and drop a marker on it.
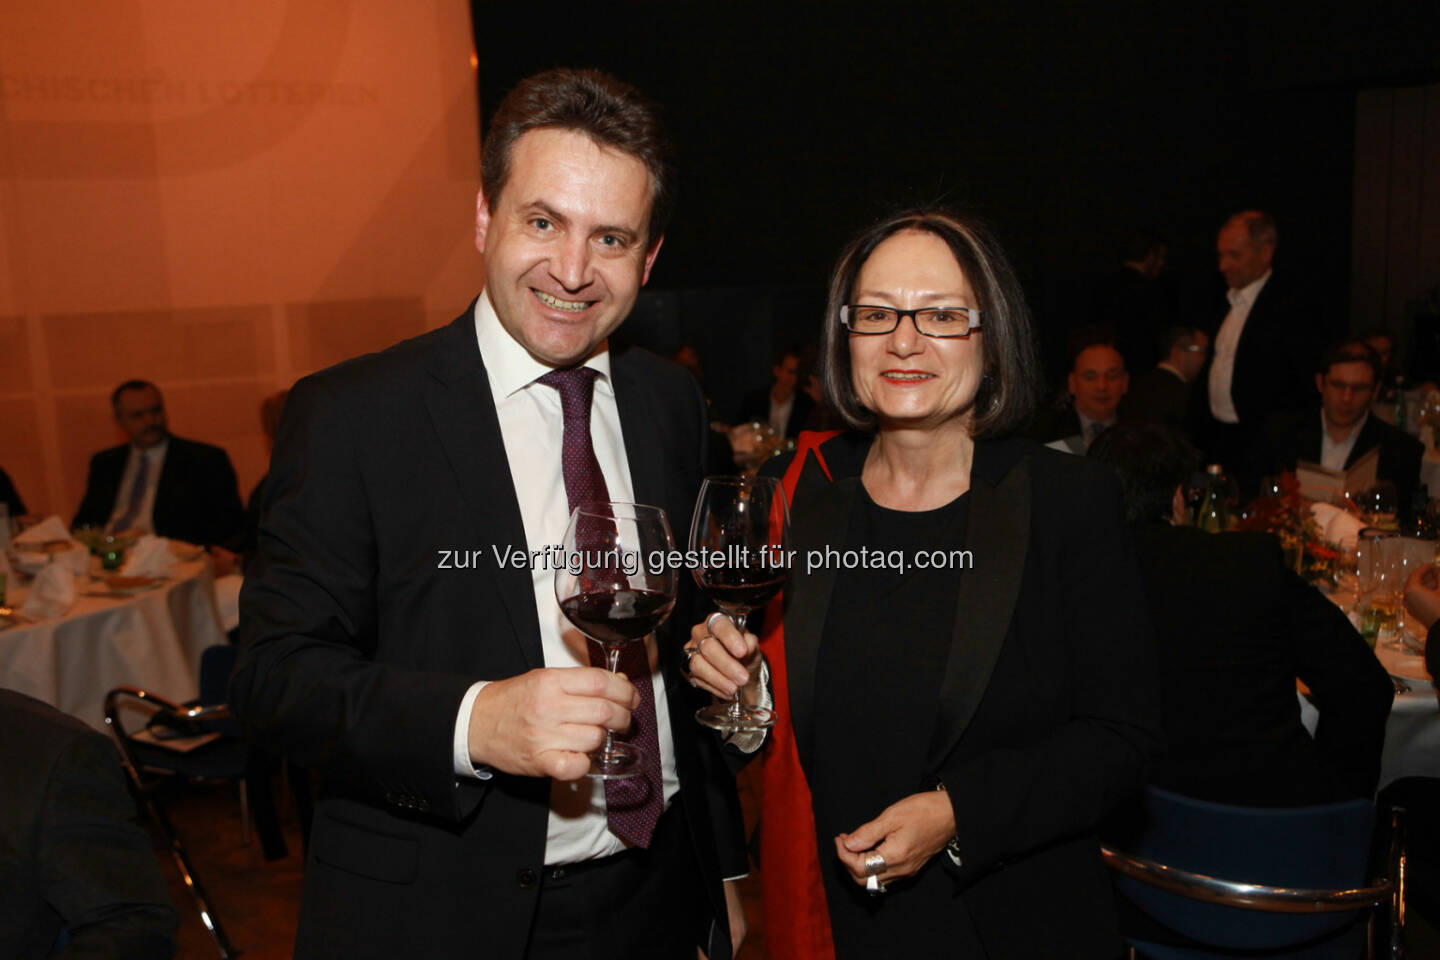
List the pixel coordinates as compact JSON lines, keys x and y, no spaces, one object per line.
{"x":877,"y":684}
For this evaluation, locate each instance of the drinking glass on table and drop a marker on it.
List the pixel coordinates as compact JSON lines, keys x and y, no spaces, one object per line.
{"x":741,"y":535}
{"x":608,"y":592}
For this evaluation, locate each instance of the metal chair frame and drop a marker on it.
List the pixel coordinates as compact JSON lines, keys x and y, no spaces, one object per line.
{"x":1389,"y":889}
{"x":145,"y":793}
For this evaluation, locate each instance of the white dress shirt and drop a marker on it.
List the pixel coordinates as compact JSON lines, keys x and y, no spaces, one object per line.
{"x":145,"y":519}
{"x":528,"y":411}
{"x":1227,"y":343}
{"x":1333,"y":455}
{"x":780,"y":413}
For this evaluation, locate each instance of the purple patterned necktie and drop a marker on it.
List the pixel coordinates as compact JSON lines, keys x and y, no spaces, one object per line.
{"x":633,"y":806}
{"x":137,"y":494}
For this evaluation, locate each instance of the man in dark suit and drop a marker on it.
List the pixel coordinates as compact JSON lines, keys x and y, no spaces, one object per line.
{"x":1133,"y":302}
{"x":1096,"y":385}
{"x":1263,"y":353}
{"x":72,"y":858}
{"x":159,"y":483}
{"x":783,"y":405}
{"x":1235,"y":628}
{"x":394,"y":643}
{"x":1344,"y":430}
{"x":1163,"y":394}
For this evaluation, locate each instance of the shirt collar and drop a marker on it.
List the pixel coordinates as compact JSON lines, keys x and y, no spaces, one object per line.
{"x":152,"y":452}
{"x":1170,"y":367}
{"x":1354,"y":431}
{"x":509,"y":366}
{"x":1249,"y":292}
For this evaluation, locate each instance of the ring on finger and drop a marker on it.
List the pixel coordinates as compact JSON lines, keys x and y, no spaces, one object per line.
{"x":873,"y":886}
{"x":874,"y":864}
{"x":710,"y":623}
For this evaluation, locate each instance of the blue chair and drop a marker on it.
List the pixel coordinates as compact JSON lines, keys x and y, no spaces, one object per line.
{"x":1253,"y":881}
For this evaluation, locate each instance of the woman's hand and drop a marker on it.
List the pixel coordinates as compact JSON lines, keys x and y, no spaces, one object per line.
{"x":907,"y":834}
{"x":1421,"y":596}
{"x":722,"y":659}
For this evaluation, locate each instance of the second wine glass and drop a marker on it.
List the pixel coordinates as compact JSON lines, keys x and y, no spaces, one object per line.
{"x":741,"y":536}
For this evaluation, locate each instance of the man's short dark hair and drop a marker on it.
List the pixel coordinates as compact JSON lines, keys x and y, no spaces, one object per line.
{"x":1009,"y":386}
{"x":1259,"y":227}
{"x":1091,"y":335}
{"x":1151,"y":460}
{"x":1139,"y":244}
{"x":607,"y":110}
{"x":1350,"y":350}
{"x":129,"y":385}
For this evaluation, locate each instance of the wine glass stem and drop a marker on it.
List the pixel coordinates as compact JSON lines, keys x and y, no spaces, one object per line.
{"x":612,"y":663}
{"x":735,"y":709}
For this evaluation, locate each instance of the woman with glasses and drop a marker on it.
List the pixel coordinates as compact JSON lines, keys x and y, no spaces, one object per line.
{"x":962,"y":673}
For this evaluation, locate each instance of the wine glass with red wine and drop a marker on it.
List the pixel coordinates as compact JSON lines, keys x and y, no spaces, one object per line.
{"x":609,"y":590}
{"x":740,"y":535}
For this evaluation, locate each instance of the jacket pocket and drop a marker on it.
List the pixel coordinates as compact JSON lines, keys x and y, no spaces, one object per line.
{"x":363,"y":850}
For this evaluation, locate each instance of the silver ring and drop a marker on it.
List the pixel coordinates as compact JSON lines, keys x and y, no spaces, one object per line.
{"x":710,"y":623}
{"x":874,"y":864}
{"x":873,"y":886}
{"x":690,"y":654}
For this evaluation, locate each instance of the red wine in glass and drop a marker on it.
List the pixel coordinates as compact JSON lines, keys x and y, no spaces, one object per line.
{"x":606,"y":589}
{"x":741,"y":532}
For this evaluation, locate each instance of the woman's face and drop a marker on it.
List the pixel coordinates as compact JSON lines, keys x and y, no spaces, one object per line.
{"x":908,"y":379}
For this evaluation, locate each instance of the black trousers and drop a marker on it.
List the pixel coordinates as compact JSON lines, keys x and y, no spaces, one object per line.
{"x":639,"y":903}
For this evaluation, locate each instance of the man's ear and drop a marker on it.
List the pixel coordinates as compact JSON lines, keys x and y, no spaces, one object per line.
{"x":1320,"y":383}
{"x":650,"y":256}
{"x":482,"y":220}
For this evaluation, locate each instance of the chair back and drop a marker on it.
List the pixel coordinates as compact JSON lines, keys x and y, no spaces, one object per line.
{"x":1322,"y":847}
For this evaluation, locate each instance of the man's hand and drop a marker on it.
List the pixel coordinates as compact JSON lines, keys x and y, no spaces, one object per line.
{"x":226,"y":562}
{"x":736,"y":911}
{"x":907,"y":834}
{"x":542,"y":723}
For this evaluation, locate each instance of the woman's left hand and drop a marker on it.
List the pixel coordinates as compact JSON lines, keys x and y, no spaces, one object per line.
{"x":907,"y":834}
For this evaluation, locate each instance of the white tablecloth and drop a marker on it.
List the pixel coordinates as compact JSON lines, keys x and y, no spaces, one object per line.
{"x":1412,"y":734}
{"x":151,"y":640}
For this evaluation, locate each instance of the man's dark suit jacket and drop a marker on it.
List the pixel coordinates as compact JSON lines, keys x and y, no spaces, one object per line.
{"x":10,"y":496}
{"x":71,"y":854}
{"x":358,"y":648}
{"x":1234,"y":629}
{"x":1276,"y":357}
{"x":1296,"y":437}
{"x":1049,"y":708}
{"x":1160,"y":396}
{"x":197,"y":499}
{"x":756,"y":406}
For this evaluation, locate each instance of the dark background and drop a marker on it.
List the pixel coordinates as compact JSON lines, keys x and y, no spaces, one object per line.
{"x":1065,"y":125}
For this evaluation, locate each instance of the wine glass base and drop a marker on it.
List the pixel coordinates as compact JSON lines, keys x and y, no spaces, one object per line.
{"x":730,"y":718}
{"x":621,"y":763}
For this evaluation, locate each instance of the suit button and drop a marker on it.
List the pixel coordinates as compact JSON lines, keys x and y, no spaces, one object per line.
{"x":527,"y":878}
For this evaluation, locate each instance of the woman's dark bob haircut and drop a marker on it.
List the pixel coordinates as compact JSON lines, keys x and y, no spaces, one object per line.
{"x":1010,"y":385}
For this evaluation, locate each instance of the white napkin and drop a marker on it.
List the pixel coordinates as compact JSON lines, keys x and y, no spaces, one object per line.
{"x":1336,"y":526}
{"x":150,"y":557}
{"x":51,"y":595}
{"x":51,"y":528}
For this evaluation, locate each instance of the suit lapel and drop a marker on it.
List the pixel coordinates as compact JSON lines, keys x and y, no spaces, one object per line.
{"x":1368,"y":440}
{"x":644,"y":445}
{"x":457,"y":396}
{"x":822,"y":522}
{"x":999,"y":533}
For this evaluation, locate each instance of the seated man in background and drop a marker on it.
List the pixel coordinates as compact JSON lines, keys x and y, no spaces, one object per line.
{"x":1235,"y":629}
{"x":1163,"y":394}
{"x":1096,"y":385}
{"x":1344,"y":431}
{"x":159,"y":483}
{"x":783,"y":406}
{"x":72,"y":858}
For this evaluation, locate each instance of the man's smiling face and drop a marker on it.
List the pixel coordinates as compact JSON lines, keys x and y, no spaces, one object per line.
{"x":565,"y":246}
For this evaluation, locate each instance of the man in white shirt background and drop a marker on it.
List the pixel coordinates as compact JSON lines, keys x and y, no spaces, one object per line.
{"x":1264,"y":349}
{"x":1344,"y":430}
{"x":159,"y":483}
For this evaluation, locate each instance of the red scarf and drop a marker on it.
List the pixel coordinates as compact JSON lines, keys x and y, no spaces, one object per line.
{"x":797,"y":920}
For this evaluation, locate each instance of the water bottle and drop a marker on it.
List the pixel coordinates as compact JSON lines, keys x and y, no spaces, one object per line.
{"x":1214,"y":513}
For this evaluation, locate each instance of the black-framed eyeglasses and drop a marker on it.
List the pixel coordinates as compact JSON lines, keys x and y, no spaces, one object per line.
{"x":943,"y":322}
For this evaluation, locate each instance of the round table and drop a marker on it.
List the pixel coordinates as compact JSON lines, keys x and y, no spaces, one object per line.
{"x":152,"y":640}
